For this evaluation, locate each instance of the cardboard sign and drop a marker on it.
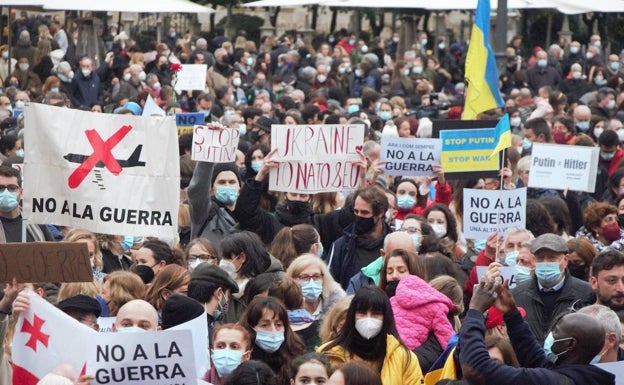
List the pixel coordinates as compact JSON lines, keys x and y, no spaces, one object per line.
{"x":186,"y":122}
{"x":215,"y":146}
{"x":507,"y":272}
{"x":149,"y":358}
{"x":559,"y":166}
{"x":45,"y":262}
{"x":488,"y":211}
{"x":410,"y":156}
{"x":312,"y":159}
{"x":191,"y":77}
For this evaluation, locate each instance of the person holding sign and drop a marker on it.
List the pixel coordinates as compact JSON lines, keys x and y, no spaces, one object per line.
{"x":412,"y":197}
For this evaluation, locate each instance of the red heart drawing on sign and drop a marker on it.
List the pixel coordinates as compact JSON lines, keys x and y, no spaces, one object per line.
{"x":358,"y":148}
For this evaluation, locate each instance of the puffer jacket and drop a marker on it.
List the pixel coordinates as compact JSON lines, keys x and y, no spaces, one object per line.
{"x":400,"y":367}
{"x":419,"y":309}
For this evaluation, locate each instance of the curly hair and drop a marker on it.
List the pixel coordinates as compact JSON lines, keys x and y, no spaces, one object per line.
{"x":595,"y":213}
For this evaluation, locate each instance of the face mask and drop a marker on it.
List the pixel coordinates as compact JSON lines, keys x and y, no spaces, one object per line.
{"x":417,"y":70}
{"x":342,"y":70}
{"x":576,"y":75}
{"x":312,"y":290}
{"x":560,"y":137}
{"x":297,"y":207}
{"x":597,"y":43}
{"x":8,"y":201}
{"x":127,"y":77}
{"x":256,"y":165}
{"x":321,"y":78}
{"x":395,"y":39}
{"x":127,"y":243}
{"x":229,"y":268}
{"x":320,"y":250}
{"x":142,"y":76}
{"x":236,"y":82}
{"x":526,"y":144}
{"x":439,"y":230}
{"x":424,"y":42}
{"x":406,"y":202}
{"x":130,"y":329}
{"x":515,"y":122}
{"x":54,"y":89}
{"x":368,"y":327}
{"x":270,"y":342}
{"x":364,"y":48}
{"x":242,"y":129}
{"x":353,"y":108}
{"x":523,"y":274}
{"x":621,"y":218}
{"x":19,"y":104}
{"x":156,"y":86}
{"x":194,"y":264}
{"x":614,"y":65}
{"x":416,"y":240}
{"x":547,"y":272}
{"x":479,"y":245}
{"x":441,"y":46}
{"x":358,"y":73}
{"x":597,"y":359}
{"x":599,"y":80}
{"x":406,"y":72}
{"x":542,"y":63}
{"x":589,"y":55}
{"x":226,"y":195}
{"x":574,"y":50}
{"x":510,"y":258}
{"x":605,"y":155}
{"x":24,"y":66}
{"x":70,"y":75}
{"x":19,"y":153}
{"x":583,"y":126}
{"x":226,"y":360}
{"x":364,"y":225}
{"x":86,"y":73}
{"x":385,"y":115}
{"x":351,"y":41}
{"x":611,"y":104}
{"x":577,"y":271}
{"x":5,"y":55}
{"x":611,"y":231}
{"x":548,"y":344}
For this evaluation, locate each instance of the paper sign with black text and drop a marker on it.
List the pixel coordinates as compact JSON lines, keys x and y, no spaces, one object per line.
{"x":107,"y":173}
{"x":215,"y":146}
{"x":146,"y":358}
{"x":318,"y":158}
{"x":191,"y":77}
{"x":559,"y":166}
{"x":106,"y":324}
{"x":507,"y":272}
{"x":410,"y":156}
{"x":488,"y":211}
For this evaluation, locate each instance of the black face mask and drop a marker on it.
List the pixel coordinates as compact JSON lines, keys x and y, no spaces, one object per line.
{"x":621,"y":220}
{"x":391,"y":288}
{"x":578,"y":271}
{"x":297,"y":207}
{"x":364,"y":225}
{"x":253,"y":136}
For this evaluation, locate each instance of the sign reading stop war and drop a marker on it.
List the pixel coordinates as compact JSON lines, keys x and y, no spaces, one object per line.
{"x":410,"y":156}
{"x":45,"y":262}
{"x":488,"y":211}
{"x":318,"y":158}
{"x":559,"y":166}
{"x":215,"y":146}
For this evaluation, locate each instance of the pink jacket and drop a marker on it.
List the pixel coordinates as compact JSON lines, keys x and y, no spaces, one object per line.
{"x":419,"y":309}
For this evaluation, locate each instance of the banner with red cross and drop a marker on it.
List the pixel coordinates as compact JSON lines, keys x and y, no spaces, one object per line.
{"x":108,"y":173}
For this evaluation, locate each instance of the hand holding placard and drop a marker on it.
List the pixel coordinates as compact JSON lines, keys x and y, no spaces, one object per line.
{"x":269,"y":162}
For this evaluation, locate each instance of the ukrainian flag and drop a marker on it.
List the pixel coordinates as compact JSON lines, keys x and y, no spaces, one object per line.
{"x":483,"y":92}
{"x":502,"y":135}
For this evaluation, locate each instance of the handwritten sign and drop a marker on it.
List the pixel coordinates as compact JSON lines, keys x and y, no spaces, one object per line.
{"x":186,"y":122}
{"x":150,"y":358}
{"x":410,"y":156}
{"x":507,"y":272}
{"x":191,"y":77}
{"x":488,"y":211}
{"x":319,"y":158}
{"x":559,"y":166}
{"x":45,"y":262}
{"x":216,"y":146}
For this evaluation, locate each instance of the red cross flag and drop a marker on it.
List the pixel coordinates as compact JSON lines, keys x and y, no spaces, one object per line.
{"x":45,"y":338}
{"x":113,"y":174}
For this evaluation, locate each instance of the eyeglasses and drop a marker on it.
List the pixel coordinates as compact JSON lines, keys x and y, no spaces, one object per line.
{"x":12,"y":188}
{"x":315,"y":277}
{"x":203,"y":257}
{"x":411,"y":230}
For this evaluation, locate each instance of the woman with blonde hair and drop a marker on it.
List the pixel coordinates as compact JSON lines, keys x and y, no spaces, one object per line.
{"x":334,"y":319}
{"x":172,"y":279}
{"x":120,"y":287}
{"x":320,"y":291}
{"x":72,"y":289}
{"x":95,"y":254}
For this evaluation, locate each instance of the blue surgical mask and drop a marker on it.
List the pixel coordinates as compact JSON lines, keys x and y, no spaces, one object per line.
{"x":256,"y":165}
{"x":542,"y":63}
{"x":226,"y":195}
{"x":614,"y":65}
{"x":548,"y":344}
{"x":242,"y":128}
{"x":226,"y":360}
{"x":249,"y":61}
{"x":406,"y":202}
{"x":20,"y":153}
{"x":583,"y":126}
{"x":574,"y":50}
{"x":526,"y":144}
{"x":510,"y":258}
{"x":478,"y":245}
{"x":547,"y":272}
{"x":127,"y":243}
{"x":8,"y":201}
{"x":416,"y":240}
{"x":352,"y":108}
{"x":270,"y":342}
{"x":54,"y":89}
{"x":597,"y":358}
{"x":417,"y":70}
{"x":358,"y":73}
{"x":320,"y":251}
{"x":312,"y":290}
{"x":523,"y":274}
{"x":385,"y":115}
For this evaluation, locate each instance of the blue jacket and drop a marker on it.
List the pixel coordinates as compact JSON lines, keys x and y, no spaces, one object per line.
{"x":535,"y":367}
{"x":86,"y":91}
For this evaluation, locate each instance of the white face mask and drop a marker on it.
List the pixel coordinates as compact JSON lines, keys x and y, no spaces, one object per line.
{"x":229,"y":268}
{"x":142,"y":76}
{"x":86,"y":72}
{"x":194,"y":264}
{"x":515,"y":121}
{"x":156,"y":86}
{"x":236,"y":82}
{"x":130,"y":329}
{"x":439,"y":230}
{"x":368,"y":327}
{"x":127,"y":77}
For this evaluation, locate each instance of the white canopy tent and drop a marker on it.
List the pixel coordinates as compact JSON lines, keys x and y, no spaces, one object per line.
{"x":282,"y":3}
{"x":153,"y":6}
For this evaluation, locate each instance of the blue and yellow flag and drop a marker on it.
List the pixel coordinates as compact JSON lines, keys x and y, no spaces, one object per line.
{"x":483,"y":92}
{"x":502,"y":135}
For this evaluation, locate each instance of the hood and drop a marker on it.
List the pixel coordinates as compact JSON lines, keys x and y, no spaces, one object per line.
{"x":587,"y":374}
{"x":373,"y":270}
{"x":413,"y":292}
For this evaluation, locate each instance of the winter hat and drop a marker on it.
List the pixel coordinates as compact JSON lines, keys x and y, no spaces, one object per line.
{"x":179,"y":309}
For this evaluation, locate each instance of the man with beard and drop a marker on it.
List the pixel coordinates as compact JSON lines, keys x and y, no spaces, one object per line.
{"x":607,"y":279}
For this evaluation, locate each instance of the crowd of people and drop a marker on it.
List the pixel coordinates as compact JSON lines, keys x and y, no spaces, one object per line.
{"x":377,"y":285}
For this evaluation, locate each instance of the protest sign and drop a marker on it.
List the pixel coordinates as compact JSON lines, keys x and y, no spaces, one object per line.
{"x":107,"y":173}
{"x":45,"y":262}
{"x":488,"y":211}
{"x":199,"y":330}
{"x":215,"y":146}
{"x":150,"y":358}
{"x":410,"y":156}
{"x":616,"y":368}
{"x":507,"y":272}
{"x":186,"y":122}
{"x":191,"y":77}
{"x":106,"y":324}
{"x":556,"y":166}
{"x":318,"y":158}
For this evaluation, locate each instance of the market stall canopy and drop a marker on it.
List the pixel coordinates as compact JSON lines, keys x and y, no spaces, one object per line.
{"x":152,"y":6}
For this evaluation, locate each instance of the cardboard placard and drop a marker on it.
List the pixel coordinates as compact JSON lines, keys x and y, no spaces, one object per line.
{"x":45,"y":262}
{"x":215,"y":146}
{"x":410,"y":156}
{"x":507,"y":272}
{"x":191,"y":77}
{"x":559,"y":166}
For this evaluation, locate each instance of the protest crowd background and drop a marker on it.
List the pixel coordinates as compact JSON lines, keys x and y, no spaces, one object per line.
{"x":373,"y":285}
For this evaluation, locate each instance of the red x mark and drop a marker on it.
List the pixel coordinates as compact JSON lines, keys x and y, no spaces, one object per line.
{"x":35,"y":332}
{"x":101,"y":153}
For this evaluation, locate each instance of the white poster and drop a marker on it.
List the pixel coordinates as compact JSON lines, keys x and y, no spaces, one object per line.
{"x":318,"y":158}
{"x":560,"y":166}
{"x":507,"y":272}
{"x":146,"y":358}
{"x":213,"y":145}
{"x":488,"y":211}
{"x":112,"y":174}
{"x":410,"y":156}
{"x":191,"y":77}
